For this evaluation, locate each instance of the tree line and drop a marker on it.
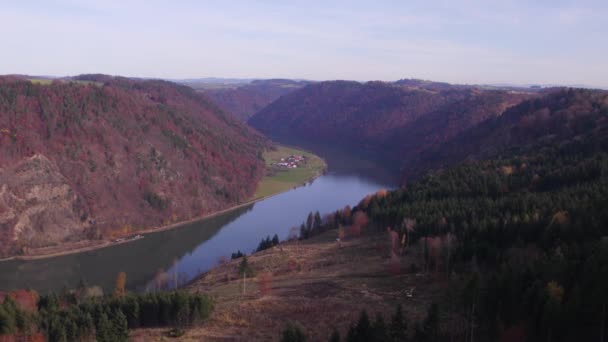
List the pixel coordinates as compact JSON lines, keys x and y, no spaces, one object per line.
{"x":71,"y":318}
{"x":529,"y":238}
{"x":522,"y":238}
{"x":365,"y":329}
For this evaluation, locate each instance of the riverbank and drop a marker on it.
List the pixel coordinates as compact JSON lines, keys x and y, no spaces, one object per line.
{"x":316,"y":283}
{"x":282,"y":175}
{"x":290,"y":179}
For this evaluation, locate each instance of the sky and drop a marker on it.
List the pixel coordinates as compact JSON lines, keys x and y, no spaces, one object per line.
{"x":489,"y":42}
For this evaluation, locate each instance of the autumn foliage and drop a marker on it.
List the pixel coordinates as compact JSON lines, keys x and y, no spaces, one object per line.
{"x":245,"y":100}
{"x":135,"y":154}
{"x":391,"y":122}
{"x":265,"y":283}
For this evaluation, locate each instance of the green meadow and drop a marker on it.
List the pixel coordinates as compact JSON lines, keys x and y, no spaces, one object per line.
{"x":281,"y":179}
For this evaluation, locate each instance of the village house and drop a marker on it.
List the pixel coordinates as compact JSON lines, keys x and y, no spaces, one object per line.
{"x":291,"y":162}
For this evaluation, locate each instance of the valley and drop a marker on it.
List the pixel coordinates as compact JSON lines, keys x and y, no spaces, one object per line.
{"x":244,"y":98}
{"x":388,"y":122}
{"x":489,"y":178}
{"x":342,"y":171}
{"x":192,"y":247}
{"x":274,"y":182}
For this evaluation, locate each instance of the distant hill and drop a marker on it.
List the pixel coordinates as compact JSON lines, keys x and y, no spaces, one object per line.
{"x":557,"y":117}
{"x":245,"y":99}
{"x":98,"y":156}
{"x":507,"y":236}
{"x":391,"y":121}
{"x":212,"y":82}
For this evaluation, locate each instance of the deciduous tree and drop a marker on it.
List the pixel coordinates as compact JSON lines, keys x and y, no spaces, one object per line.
{"x":121,"y":281}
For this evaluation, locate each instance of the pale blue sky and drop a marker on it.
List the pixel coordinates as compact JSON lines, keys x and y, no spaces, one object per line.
{"x":548,"y":42}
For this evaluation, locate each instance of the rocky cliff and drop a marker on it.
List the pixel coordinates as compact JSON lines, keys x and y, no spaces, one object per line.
{"x":100,"y":157}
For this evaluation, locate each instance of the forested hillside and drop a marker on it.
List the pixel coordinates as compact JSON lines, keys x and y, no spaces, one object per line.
{"x":244,"y":100}
{"x":392,"y":121}
{"x":83,"y":314}
{"x":556,"y":116}
{"x":507,"y":241}
{"x":98,"y":157}
{"x":520,"y":235}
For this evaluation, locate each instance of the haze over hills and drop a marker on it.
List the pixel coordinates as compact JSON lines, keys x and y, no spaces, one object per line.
{"x":98,"y":156}
{"x":390,"y":121}
{"x":245,"y":99}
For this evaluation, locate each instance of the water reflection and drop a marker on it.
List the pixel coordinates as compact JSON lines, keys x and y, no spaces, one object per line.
{"x":140,"y":259}
{"x":275,"y":215}
{"x":185,"y":252}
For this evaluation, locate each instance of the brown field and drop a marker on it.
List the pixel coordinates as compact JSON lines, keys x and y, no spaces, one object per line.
{"x":315,"y":283}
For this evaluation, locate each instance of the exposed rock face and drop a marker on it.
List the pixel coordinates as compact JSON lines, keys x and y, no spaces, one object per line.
{"x":38,"y":206}
{"x":103,"y":157}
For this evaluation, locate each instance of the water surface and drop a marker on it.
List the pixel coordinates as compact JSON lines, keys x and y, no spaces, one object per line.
{"x":185,"y":252}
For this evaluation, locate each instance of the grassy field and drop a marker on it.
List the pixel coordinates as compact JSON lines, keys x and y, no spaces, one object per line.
{"x":279,"y":180}
{"x":42,"y":81}
{"x":49,"y":81}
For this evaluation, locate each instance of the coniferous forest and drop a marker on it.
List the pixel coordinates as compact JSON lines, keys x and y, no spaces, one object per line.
{"x":74,"y":317}
{"x":514,"y":221}
{"x":521,"y":236}
{"x":356,"y":171}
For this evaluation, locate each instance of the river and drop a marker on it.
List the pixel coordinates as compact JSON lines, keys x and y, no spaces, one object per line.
{"x":185,"y":252}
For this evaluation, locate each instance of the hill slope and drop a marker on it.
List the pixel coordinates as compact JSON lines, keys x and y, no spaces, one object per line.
{"x":243,"y":101}
{"x":523,"y":226}
{"x":100,"y":156}
{"x":508,"y":246}
{"x":557,"y":117}
{"x":389,"y":120}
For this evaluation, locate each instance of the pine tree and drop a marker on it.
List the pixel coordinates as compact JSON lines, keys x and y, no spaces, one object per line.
{"x":237,"y":255}
{"x":430,"y":325}
{"x":165,"y":307}
{"x":317,"y":221}
{"x":120,"y":328}
{"x":180,"y":309}
{"x":419,"y":333}
{"x":398,"y":327}
{"x":149,"y":310}
{"x":275,"y":240}
{"x":244,"y":268}
{"x":130,"y":308}
{"x":7,"y":321}
{"x":379,"y":330}
{"x":86,"y":326}
{"x":352,"y":334}
{"x":363,"y":329}
{"x":104,"y":329}
{"x":335,"y":336}
{"x":304,"y":233}
{"x":309,"y":221}
{"x":293,"y":333}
